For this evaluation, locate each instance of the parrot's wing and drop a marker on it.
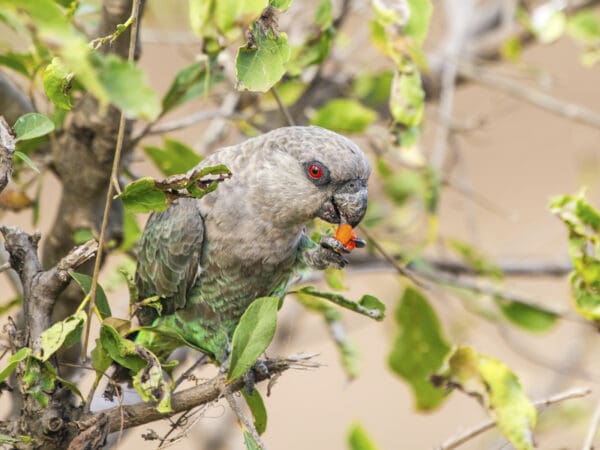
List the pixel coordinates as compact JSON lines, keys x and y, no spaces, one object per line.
{"x":169,"y":256}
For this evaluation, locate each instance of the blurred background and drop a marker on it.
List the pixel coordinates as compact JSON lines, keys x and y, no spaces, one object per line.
{"x":512,"y":118}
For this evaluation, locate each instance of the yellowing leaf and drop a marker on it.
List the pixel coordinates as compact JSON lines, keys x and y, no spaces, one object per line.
{"x":500,"y":391}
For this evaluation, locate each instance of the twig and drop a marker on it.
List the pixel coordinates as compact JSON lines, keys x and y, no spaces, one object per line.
{"x":200,"y":361}
{"x":588,"y":444}
{"x":184,"y":122}
{"x":288,"y":117}
{"x":389,"y":258}
{"x":247,"y":424}
{"x":142,"y":413}
{"x":457,"y":441}
{"x":542,"y":100}
{"x":135,"y":14}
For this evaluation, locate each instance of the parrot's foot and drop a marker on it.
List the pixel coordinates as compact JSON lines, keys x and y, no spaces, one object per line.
{"x":258,"y":369}
{"x":331,"y":252}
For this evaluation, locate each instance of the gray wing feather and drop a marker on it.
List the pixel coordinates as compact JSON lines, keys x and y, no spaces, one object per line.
{"x":169,"y":256}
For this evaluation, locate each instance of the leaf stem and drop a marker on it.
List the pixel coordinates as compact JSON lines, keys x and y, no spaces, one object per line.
{"x":135,"y":14}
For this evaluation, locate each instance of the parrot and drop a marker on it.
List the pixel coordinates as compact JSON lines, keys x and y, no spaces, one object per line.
{"x":208,"y":259}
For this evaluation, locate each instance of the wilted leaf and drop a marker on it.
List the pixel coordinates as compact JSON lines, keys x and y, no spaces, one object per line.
{"x":142,"y":196}
{"x":344,"y":115}
{"x":150,"y":384}
{"x":62,"y":334}
{"x":492,"y":383}
{"x":358,"y":439}
{"x":175,"y":157}
{"x":14,"y":200}
{"x":257,"y":407}
{"x":85,"y":282}
{"x":32,"y":125}
{"x":261,"y":64}
{"x":252,"y":335}
{"x":419,"y":349}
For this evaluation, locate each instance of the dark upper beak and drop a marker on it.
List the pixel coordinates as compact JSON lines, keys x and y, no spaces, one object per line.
{"x":347,"y":205}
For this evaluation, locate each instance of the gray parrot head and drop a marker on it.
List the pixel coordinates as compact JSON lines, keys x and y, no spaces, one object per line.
{"x":310,"y":172}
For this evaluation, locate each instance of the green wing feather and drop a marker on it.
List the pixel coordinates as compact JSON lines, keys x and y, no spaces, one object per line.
{"x":169,"y":257}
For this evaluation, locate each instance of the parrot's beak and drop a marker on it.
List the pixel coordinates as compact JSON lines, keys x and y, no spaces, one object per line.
{"x":347,"y":205}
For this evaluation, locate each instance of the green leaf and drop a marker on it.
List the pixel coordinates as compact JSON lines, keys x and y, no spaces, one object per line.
{"x":62,"y":334}
{"x":500,"y":391}
{"x":85,"y":283}
{"x":475,"y":259}
{"x":407,"y":101}
{"x":20,"y":62}
{"x":82,"y":235}
{"x":13,"y":361}
{"x":324,"y":14}
{"x":57,"y":84}
{"x":526,"y":316}
{"x":131,"y":231}
{"x":358,"y":439}
{"x":229,"y":12}
{"x":127,"y":89}
{"x":199,"y":12}
{"x":584,"y":26}
{"x":38,"y":380}
{"x":419,"y":348}
{"x":367,"y":306}
{"x":120,"y":349}
{"x":512,"y":49}
{"x":32,"y":125}
{"x":373,"y":88}
{"x":101,"y":361}
{"x":336,"y":278}
{"x":176,"y":157}
{"x":142,"y":196}
{"x":191,"y":82}
{"x":281,"y":5}
{"x":418,"y":21}
{"x":23,"y":157}
{"x":252,"y":335}
{"x":259,"y":66}
{"x":344,"y":115}
{"x":257,"y":407}
{"x":151,"y":385}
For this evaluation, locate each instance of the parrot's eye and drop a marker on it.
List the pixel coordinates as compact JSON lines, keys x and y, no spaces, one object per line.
{"x":315,"y":171}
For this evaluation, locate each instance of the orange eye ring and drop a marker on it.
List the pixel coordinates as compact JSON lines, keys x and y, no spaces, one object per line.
{"x":315,"y":171}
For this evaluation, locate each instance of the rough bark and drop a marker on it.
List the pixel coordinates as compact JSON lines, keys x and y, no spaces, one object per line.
{"x":7,"y":150}
{"x":46,"y":425}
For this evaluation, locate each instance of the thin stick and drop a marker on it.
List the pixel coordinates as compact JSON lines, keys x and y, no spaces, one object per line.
{"x":286,"y":113}
{"x":235,"y":406}
{"x":457,"y":441}
{"x":588,"y":444}
{"x":135,"y":14}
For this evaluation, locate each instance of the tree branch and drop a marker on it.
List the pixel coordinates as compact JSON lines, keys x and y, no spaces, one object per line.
{"x":142,"y":413}
{"x":7,"y":150}
{"x":40,"y":288}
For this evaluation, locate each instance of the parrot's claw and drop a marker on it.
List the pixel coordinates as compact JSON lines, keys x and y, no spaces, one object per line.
{"x":259,"y":368}
{"x":331,"y":243}
{"x":359,"y":243}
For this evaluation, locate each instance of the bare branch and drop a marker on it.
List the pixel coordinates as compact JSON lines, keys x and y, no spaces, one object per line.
{"x":571,"y":111}
{"x":588,"y":444}
{"x":142,"y":413}
{"x":457,"y":441}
